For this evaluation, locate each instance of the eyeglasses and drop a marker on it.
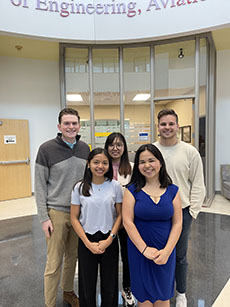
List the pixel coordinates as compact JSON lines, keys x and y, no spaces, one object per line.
{"x":118,"y":145}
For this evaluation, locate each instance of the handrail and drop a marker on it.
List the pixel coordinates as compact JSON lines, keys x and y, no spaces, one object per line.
{"x":27,"y":161}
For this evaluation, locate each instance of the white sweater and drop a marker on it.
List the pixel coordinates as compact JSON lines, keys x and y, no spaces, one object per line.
{"x":184,"y":166}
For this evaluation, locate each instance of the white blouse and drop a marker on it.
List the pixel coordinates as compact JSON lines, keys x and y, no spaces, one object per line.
{"x":98,"y":211}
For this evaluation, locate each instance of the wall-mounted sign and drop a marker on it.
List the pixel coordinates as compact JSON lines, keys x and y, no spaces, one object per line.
{"x":10,"y":139}
{"x":143,"y":136}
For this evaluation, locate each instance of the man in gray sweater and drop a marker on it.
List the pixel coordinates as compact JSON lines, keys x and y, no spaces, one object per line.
{"x":184,"y":165}
{"x":60,"y":163}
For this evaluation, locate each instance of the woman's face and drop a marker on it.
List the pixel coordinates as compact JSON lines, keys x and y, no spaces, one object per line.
{"x":116,"y":149}
{"x":149,"y":165}
{"x":99,"y":165}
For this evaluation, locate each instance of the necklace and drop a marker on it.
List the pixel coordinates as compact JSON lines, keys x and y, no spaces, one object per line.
{"x":97,"y":187}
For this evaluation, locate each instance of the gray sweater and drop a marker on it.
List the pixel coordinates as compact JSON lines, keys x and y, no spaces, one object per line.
{"x":57,"y":169}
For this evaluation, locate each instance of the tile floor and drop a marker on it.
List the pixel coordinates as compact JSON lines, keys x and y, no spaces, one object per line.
{"x":22,"y":256}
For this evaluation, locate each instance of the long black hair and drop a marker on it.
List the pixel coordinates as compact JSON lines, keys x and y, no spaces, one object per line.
{"x":138,"y":179}
{"x":86,"y":182}
{"x":124,"y":167}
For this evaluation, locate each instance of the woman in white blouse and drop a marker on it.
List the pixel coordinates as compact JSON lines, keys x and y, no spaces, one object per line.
{"x":96,"y":218}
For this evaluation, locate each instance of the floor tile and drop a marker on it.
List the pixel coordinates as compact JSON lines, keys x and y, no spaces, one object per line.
{"x":23,"y":254}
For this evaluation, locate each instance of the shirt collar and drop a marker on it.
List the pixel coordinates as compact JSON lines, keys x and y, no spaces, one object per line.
{"x":71,"y":145}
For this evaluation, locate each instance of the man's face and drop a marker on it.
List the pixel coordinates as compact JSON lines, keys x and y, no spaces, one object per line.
{"x":168,"y":127}
{"x":69,"y":127}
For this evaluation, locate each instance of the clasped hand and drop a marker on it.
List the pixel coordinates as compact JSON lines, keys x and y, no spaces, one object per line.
{"x":98,"y":247}
{"x":160,"y":257}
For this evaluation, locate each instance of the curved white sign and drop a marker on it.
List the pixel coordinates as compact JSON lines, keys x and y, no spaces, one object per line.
{"x":111,"y":20}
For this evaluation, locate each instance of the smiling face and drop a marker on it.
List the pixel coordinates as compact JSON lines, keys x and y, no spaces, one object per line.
{"x":168,"y":127}
{"x":69,"y":127}
{"x":149,"y":166}
{"x":116,"y":149}
{"x":99,"y":165}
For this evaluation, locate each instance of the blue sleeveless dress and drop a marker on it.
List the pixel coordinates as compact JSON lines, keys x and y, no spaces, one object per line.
{"x":150,"y":281}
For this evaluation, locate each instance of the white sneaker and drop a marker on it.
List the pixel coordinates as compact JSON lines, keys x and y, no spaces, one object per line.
{"x":181,"y":300}
{"x":128,"y":298}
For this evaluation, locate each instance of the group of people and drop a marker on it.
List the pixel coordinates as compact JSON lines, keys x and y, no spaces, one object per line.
{"x":89,"y":203}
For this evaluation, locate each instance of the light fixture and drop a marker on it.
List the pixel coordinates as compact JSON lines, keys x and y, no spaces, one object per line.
{"x":141,"y":97}
{"x":18,"y":47}
{"x":181,"y":54}
{"x":74,"y":97}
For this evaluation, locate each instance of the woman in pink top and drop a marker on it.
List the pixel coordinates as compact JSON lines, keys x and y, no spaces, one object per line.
{"x":117,"y":148}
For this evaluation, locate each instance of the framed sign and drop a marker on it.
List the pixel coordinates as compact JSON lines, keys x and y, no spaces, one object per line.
{"x":186,"y":134}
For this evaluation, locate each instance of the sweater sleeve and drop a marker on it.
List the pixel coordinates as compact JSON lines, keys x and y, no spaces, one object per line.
{"x":41,"y":188}
{"x":198,"y":192}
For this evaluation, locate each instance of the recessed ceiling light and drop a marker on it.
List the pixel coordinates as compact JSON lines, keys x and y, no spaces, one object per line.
{"x":141,"y":97}
{"x":74,"y":97}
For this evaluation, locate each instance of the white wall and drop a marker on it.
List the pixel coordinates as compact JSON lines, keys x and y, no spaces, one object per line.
{"x":29,"y":89}
{"x":222,"y":112}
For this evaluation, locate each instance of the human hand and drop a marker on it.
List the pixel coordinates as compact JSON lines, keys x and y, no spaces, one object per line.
{"x":103,"y":244}
{"x":161,"y":257}
{"x":47,"y":227}
{"x":150,"y":253}
{"x":94,"y":247}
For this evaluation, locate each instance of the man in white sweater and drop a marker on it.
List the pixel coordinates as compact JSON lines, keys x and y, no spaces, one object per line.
{"x":184,"y":166}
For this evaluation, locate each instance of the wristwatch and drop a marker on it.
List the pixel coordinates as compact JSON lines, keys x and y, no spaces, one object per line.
{"x":112,"y":235}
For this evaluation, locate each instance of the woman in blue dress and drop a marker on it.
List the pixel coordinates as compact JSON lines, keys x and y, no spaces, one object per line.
{"x":152,"y":217}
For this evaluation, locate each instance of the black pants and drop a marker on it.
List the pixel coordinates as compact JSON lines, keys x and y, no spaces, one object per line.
{"x":181,"y":252}
{"x":122,"y":234}
{"x":88,"y":271}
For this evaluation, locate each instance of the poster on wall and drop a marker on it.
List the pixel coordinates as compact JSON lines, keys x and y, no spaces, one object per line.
{"x":143,"y":136}
{"x":186,"y":134}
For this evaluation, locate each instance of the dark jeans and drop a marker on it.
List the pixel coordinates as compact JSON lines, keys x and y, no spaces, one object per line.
{"x":88,"y":269}
{"x":181,"y":252}
{"x":122,"y":234}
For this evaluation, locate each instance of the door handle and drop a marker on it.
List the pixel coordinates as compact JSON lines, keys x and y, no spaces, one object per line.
{"x":27,"y":161}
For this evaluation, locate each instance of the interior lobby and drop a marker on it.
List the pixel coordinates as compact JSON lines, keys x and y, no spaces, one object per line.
{"x":118,"y":64}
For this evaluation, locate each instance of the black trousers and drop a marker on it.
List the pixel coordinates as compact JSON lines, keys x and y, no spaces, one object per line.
{"x":122,"y":234}
{"x":88,"y":264}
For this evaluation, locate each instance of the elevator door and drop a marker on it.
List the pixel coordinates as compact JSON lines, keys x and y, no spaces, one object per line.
{"x":15,"y":177}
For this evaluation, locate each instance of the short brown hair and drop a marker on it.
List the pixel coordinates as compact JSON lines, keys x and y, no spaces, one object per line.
{"x":165,"y":112}
{"x":67,"y":111}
